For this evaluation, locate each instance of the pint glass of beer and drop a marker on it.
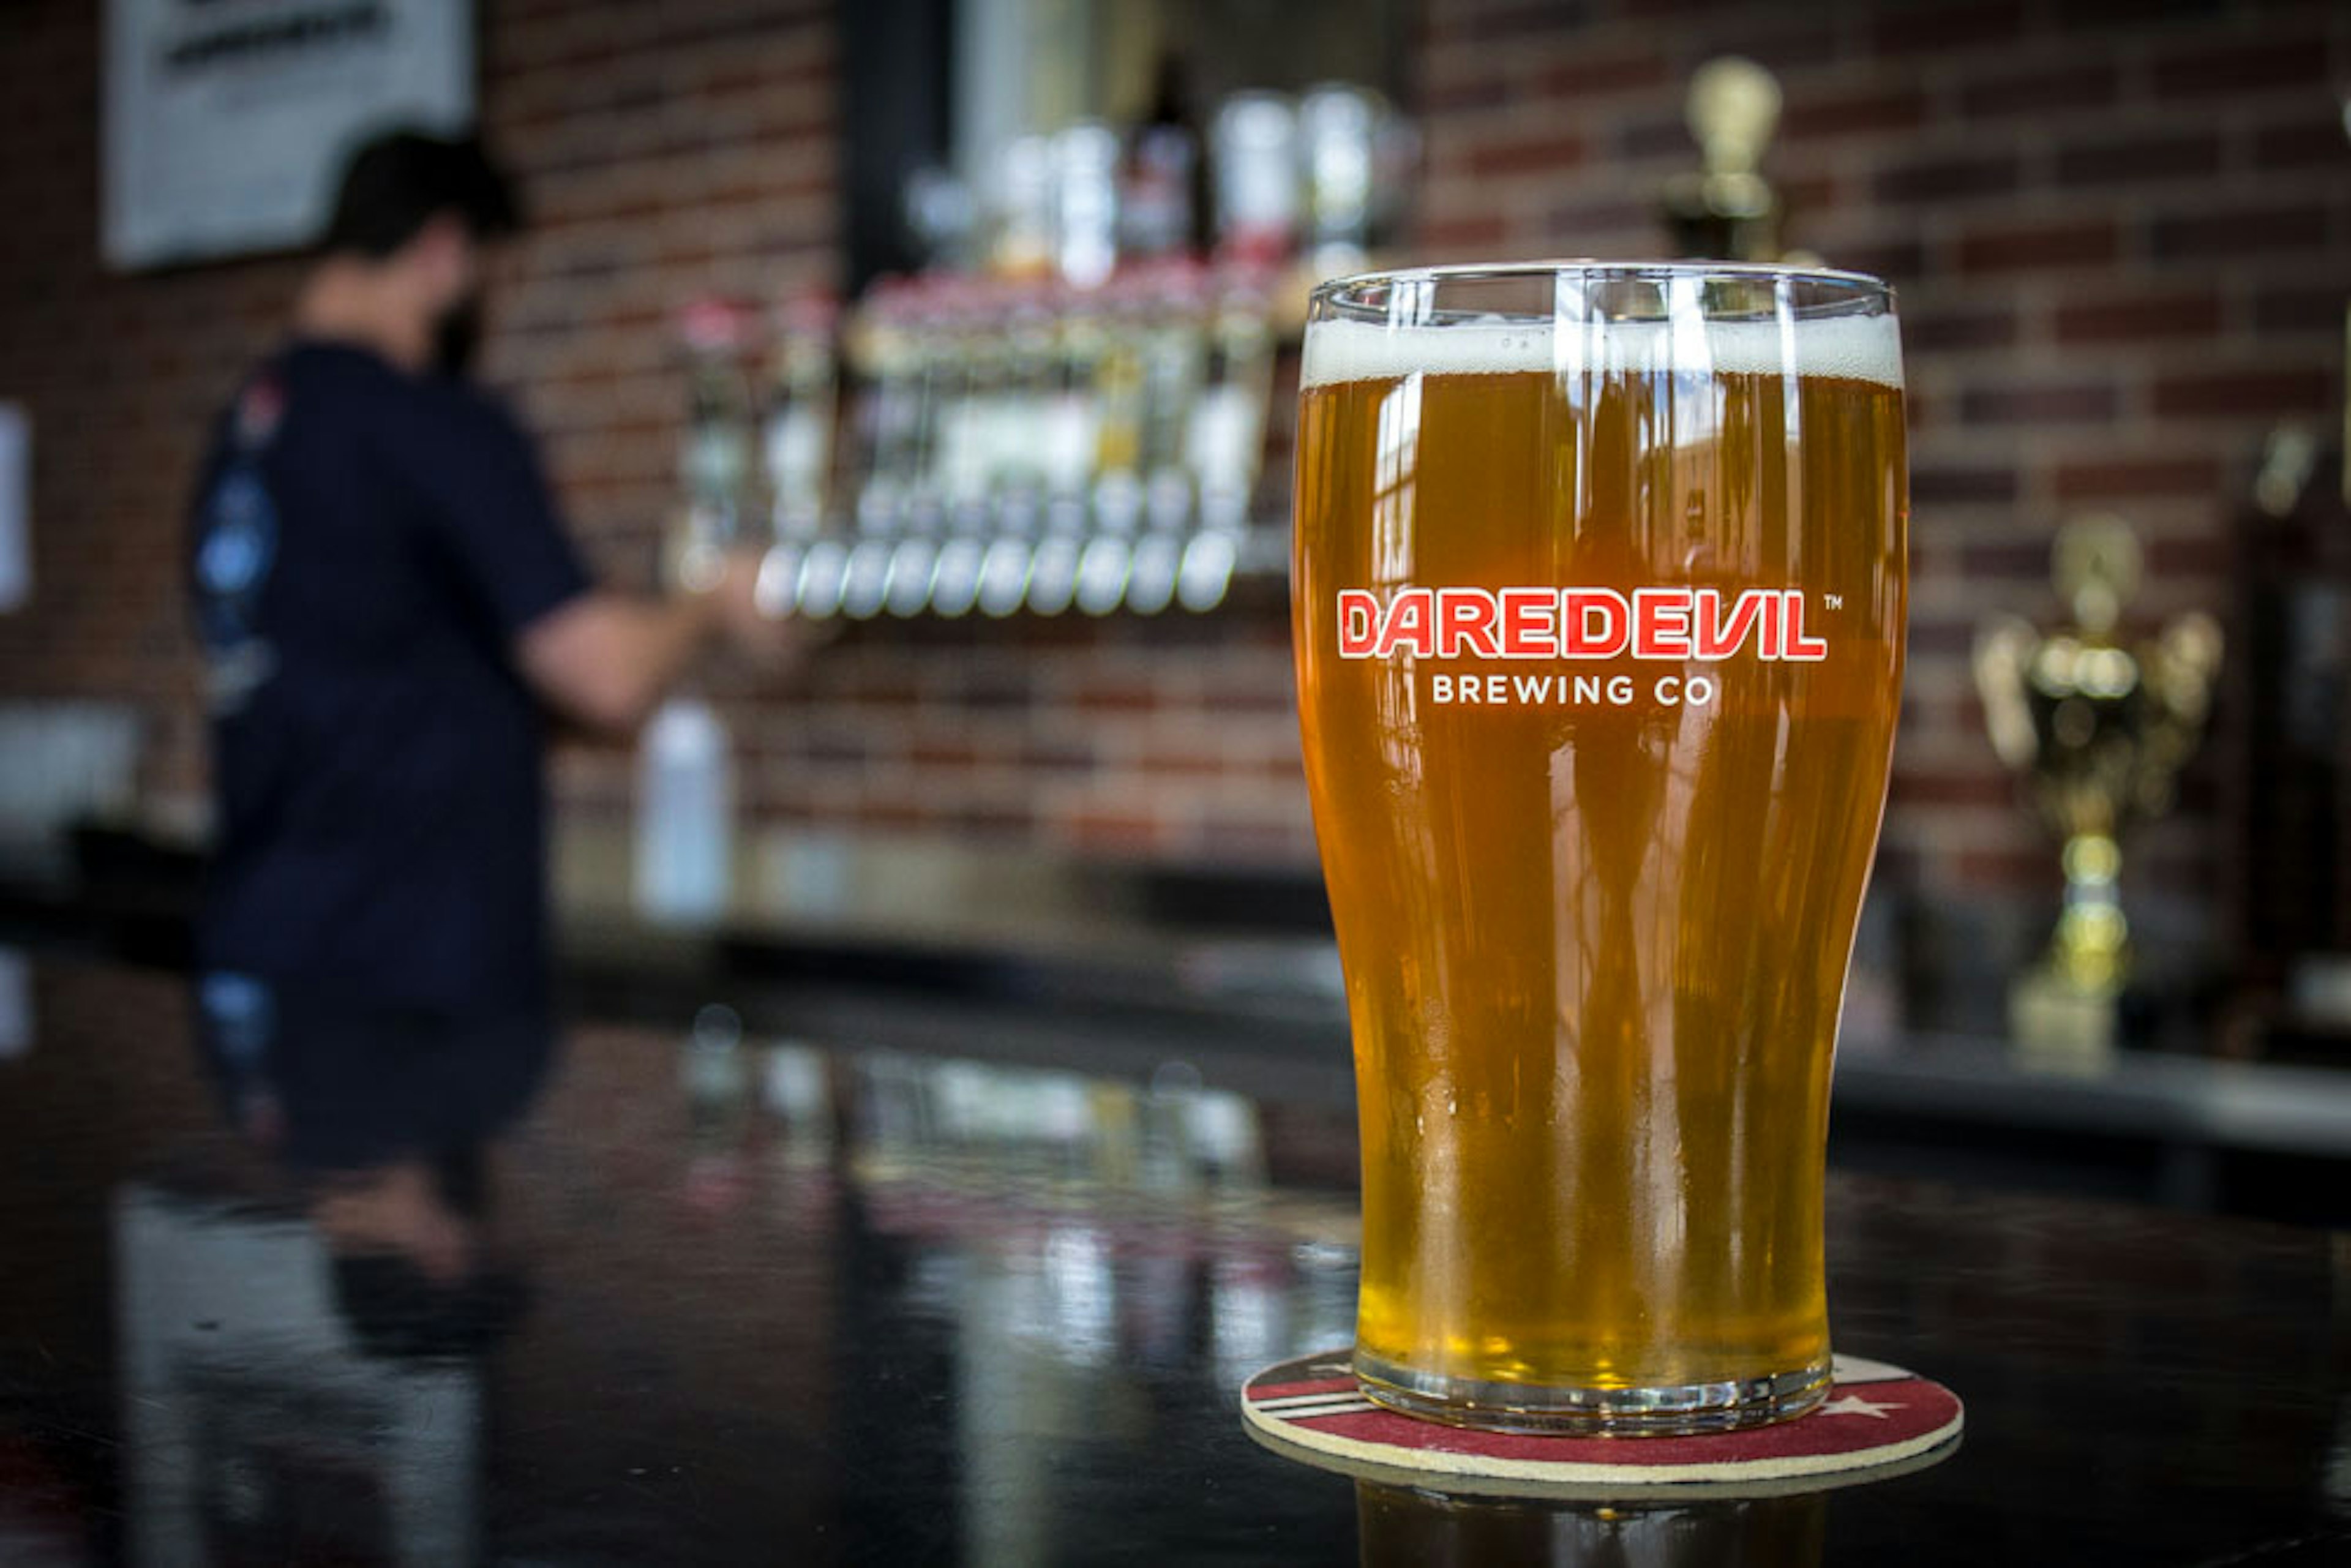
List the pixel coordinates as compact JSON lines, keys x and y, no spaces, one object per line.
{"x":1598,"y":602}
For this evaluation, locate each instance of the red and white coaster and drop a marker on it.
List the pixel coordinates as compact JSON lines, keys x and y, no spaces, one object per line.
{"x":1877,"y":1420}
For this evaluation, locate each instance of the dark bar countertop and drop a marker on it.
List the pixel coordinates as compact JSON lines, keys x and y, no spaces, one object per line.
{"x":817,"y":1303}
{"x":1112,"y":968}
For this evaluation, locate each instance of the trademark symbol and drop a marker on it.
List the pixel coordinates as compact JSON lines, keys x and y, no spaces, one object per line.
{"x":1833,"y":601}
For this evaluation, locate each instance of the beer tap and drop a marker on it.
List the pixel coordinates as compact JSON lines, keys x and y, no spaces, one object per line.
{"x":797,"y":448}
{"x":1119,"y":495}
{"x":890,"y":351}
{"x":1225,"y":440}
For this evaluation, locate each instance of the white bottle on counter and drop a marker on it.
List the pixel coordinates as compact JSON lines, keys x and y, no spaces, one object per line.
{"x":685,"y":813}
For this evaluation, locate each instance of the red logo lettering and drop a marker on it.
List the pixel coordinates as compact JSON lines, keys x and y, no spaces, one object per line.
{"x":1794,"y":643}
{"x":1594,"y":623}
{"x":1717,"y":636}
{"x":1530,"y":623}
{"x":1661,"y":622}
{"x":1410,"y":627}
{"x":1468,"y":623}
{"x":1576,"y":624}
{"x":1359,"y":620}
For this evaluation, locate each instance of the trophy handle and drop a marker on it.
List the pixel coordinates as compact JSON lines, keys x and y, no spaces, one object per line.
{"x":2185,"y":662}
{"x":2005,"y":652}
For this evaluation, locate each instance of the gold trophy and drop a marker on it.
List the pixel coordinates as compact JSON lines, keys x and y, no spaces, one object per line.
{"x":1726,"y":209}
{"x":2101,"y":731}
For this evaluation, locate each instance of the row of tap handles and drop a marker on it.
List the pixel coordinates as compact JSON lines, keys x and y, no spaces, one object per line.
{"x":1008,"y":445}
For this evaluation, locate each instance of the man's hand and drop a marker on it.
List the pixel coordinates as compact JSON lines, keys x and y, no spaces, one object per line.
{"x":769,"y":638}
{"x":604,"y":660}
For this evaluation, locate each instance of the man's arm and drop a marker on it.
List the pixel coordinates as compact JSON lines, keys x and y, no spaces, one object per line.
{"x":604,"y":659}
{"x":599,"y":658}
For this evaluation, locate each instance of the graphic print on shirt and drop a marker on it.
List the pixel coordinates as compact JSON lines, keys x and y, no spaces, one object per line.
{"x":236,"y":546}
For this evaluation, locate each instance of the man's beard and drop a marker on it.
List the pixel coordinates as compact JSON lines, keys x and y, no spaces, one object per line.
{"x":457,"y":336}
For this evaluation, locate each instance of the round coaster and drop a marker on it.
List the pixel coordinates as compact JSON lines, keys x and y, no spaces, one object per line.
{"x":1877,"y":1421}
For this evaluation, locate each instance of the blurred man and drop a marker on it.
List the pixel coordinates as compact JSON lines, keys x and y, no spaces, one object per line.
{"x":391,"y":613}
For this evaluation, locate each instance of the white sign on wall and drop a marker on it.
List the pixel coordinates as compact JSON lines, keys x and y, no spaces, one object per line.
{"x":226,"y":121}
{"x":16,"y":506}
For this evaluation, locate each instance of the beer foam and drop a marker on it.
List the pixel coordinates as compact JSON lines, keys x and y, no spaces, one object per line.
{"x":1860,"y":348}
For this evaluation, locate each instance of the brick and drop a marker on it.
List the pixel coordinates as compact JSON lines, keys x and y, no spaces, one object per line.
{"x":2174,"y":558}
{"x":1956,"y":330}
{"x":1527,"y":18}
{"x":2062,"y":402}
{"x":2202,"y":69}
{"x":1598,"y":74}
{"x":1853,"y":112}
{"x":945,"y":751}
{"x":1182,"y":762}
{"x":2169,"y":155}
{"x":1487,"y":90}
{"x":1947,"y":177}
{"x":1055,"y":756}
{"x":2141,"y":316}
{"x":1601,"y":215}
{"x":1655,"y":135}
{"x":2130,"y":477}
{"x":1930,"y":638}
{"x":1783,"y":38}
{"x":1455,"y":237}
{"x":1946,"y":790}
{"x":2320,"y":142}
{"x":1961,"y":484}
{"x":992,"y":820}
{"x":1813,"y":192}
{"x":2291,"y":309}
{"x":2258,"y":232}
{"x":897,"y":816}
{"x":1895,"y":260}
{"x":2260,"y":393}
{"x":1111,"y":832}
{"x":2005,"y":869}
{"x":1547,"y":152}
{"x":2039,"y":90}
{"x":1110,"y":694}
{"x":1939,"y":29}
{"x":848,"y":744}
{"x":2008,"y":560}
{"x":2009,"y":247}
{"x":2163,"y":17}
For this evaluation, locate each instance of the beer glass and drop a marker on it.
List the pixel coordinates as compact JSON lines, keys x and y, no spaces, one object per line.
{"x":1597,"y":602}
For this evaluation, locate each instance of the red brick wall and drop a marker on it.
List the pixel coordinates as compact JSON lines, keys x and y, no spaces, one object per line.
{"x":2120,"y":233}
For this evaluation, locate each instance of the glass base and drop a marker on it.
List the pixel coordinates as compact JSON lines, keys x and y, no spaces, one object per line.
{"x":1534,"y":1408}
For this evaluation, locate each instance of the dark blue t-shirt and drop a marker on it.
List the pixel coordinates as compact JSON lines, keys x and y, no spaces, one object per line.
{"x":367,"y":546}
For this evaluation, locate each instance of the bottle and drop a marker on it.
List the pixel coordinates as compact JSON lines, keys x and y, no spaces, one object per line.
{"x":685,"y":812}
{"x":715,"y":464}
{"x":1337,"y":130}
{"x":1160,"y":201}
{"x":1255,"y":142}
{"x":799,"y":413}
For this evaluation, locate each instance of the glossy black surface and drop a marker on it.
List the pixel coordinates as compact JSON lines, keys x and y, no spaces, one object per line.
{"x":1111,"y":967}
{"x":817,"y":1304}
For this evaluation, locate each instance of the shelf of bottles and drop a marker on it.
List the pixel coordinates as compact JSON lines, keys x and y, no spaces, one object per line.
{"x":1069,"y":416}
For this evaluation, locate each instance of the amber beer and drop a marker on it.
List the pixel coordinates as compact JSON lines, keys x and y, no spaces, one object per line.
{"x":1598,"y":617}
